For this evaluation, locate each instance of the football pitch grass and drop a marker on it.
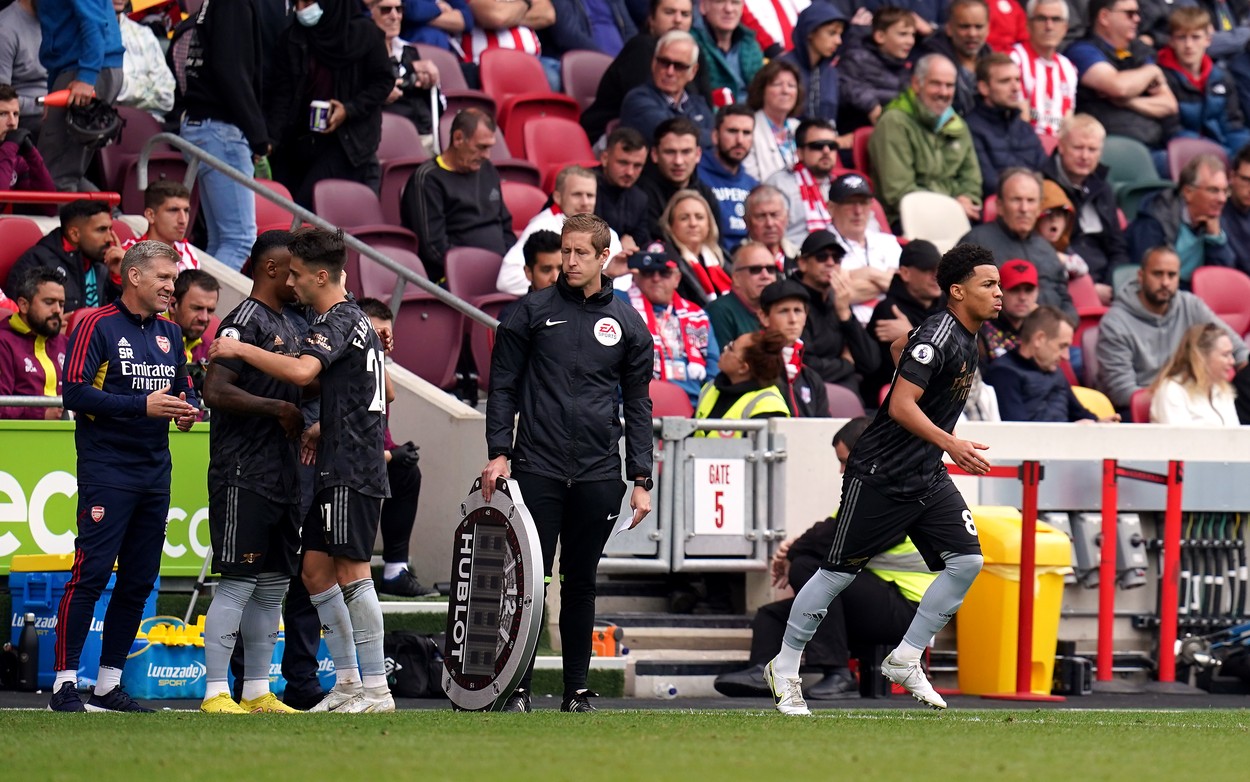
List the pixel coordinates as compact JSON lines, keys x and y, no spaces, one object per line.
{"x":644,"y":745}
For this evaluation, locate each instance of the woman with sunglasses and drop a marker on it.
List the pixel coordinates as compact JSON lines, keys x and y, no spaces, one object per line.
{"x":689,"y":225}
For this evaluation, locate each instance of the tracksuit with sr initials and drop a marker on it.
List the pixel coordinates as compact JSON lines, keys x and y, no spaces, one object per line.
{"x":116,"y":359}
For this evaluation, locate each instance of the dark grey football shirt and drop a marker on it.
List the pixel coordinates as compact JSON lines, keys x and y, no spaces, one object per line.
{"x":940,"y":357}
{"x":253,"y":452}
{"x":353,"y":400}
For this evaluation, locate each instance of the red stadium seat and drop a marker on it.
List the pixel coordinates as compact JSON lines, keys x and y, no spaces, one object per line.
{"x":400,"y":139}
{"x":520,"y":171}
{"x":71,"y":320}
{"x":428,"y":335}
{"x":989,"y":208}
{"x":581,"y":72}
{"x":396,"y":174}
{"x":1089,"y":355}
{"x":161,"y":165}
{"x":519,"y":110}
{"x":552,"y":171}
{"x":1089,"y":307}
{"x":471,"y":276}
{"x":553,"y":142}
{"x":140,"y":126}
{"x":354,"y":208}
{"x":378,"y":282}
{"x":1183,"y":150}
{"x":450,"y":76}
{"x":523,"y":202}
{"x":123,"y":230}
{"x":859,"y":149}
{"x":1139,"y":405}
{"x":17,"y":235}
{"x":843,"y":402}
{"x":508,"y":72}
{"x":878,"y":211}
{"x":1227,"y":292}
{"x":669,"y":399}
{"x":1049,"y":142}
{"x":268,"y":214}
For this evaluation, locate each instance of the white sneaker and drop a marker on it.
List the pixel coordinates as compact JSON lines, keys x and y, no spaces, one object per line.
{"x":911,"y":676}
{"x":787,"y":692}
{"x":338,"y":697}
{"x":366,"y":702}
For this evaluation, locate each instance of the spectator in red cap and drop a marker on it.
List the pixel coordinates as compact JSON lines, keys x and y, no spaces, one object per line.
{"x":1018,"y":279}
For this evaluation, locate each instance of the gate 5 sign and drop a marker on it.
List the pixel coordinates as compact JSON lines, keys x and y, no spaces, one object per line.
{"x":720,"y":497}
{"x":495,"y":612}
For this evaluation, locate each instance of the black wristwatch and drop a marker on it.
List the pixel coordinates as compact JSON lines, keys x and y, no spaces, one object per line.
{"x":644,"y":483}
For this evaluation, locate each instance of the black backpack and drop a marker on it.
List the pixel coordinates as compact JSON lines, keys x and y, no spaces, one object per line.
{"x":414,"y":664}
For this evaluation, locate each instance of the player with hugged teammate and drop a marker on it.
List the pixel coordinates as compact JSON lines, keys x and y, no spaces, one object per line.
{"x":253,"y":506}
{"x":559,"y":359}
{"x":126,"y":378}
{"x":896,"y":484}
{"x":343,"y":351}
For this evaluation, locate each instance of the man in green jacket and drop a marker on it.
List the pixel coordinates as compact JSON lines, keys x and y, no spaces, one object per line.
{"x":920,"y":143}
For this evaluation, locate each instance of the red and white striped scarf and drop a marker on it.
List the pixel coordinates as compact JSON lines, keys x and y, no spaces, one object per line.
{"x":1049,"y":86}
{"x":816,"y":210}
{"x":694,"y":327}
{"x":478,"y":40}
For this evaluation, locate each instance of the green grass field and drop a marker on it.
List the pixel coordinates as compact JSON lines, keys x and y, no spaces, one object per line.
{"x":702,"y":746}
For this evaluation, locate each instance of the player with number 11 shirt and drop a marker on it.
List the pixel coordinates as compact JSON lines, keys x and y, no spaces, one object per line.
{"x":343,"y":351}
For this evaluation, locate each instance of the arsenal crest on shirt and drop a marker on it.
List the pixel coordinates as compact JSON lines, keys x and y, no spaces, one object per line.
{"x":162,"y":342}
{"x":97,"y":513}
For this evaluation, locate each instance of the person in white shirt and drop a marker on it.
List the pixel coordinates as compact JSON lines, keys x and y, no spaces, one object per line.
{"x":1193,"y":389}
{"x":576,"y":192}
{"x":871,"y":255}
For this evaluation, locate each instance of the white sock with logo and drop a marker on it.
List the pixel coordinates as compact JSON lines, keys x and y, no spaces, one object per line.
{"x":64,"y":676}
{"x":336,"y":626}
{"x":108,"y":680}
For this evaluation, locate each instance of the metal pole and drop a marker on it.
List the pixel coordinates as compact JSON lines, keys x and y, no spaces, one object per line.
{"x":1106,"y":570}
{"x":1171,"y":573}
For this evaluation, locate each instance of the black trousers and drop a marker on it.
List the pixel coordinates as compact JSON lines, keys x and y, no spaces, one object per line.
{"x":580,"y":517}
{"x":399,"y":511}
{"x":867,"y":613}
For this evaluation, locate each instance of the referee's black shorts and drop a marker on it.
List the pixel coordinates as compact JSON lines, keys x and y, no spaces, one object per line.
{"x":252,"y":534}
{"x":342,"y":522}
{"x":870,"y":522}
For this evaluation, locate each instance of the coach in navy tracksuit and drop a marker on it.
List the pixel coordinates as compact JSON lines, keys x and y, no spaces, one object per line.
{"x":126,"y":378}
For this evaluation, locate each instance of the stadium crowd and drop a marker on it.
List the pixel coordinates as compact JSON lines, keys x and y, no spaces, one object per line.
{"x":789,"y":165}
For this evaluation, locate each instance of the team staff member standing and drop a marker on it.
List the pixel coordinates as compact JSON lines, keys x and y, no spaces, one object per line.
{"x":559,"y":361}
{"x":126,"y":377}
{"x":342,"y":349}
{"x":896,"y":484}
{"x":253,"y":487}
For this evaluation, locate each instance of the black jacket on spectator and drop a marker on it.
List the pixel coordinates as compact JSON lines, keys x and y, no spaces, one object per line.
{"x":226,"y":83}
{"x":1102,"y":251}
{"x":414,"y":104}
{"x":659,"y":190}
{"x":1027,"y":393}
{"x":965,"y":81}
{"x":448,"y":209}
{"x":1236,"y":224}
{"x":572,"y":31}
{"x":624,"y":209}
{"x":915,"y":312}
{"x":806,"y":395}
{"x":1051,"y":276}
{"x":825,"y":337}
{"x":49,"y":253}
{"x":1119,"y":120}
{"x":1002,"y":140}
{"x":867,"y":77}
{"x":357,"y":71}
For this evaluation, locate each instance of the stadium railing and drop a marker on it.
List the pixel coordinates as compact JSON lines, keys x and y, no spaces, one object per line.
{"x":405,"y":276}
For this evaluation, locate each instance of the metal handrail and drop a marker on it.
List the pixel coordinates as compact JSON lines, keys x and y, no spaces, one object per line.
{"x":31,"y":401}
{"x":404,"y":274}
